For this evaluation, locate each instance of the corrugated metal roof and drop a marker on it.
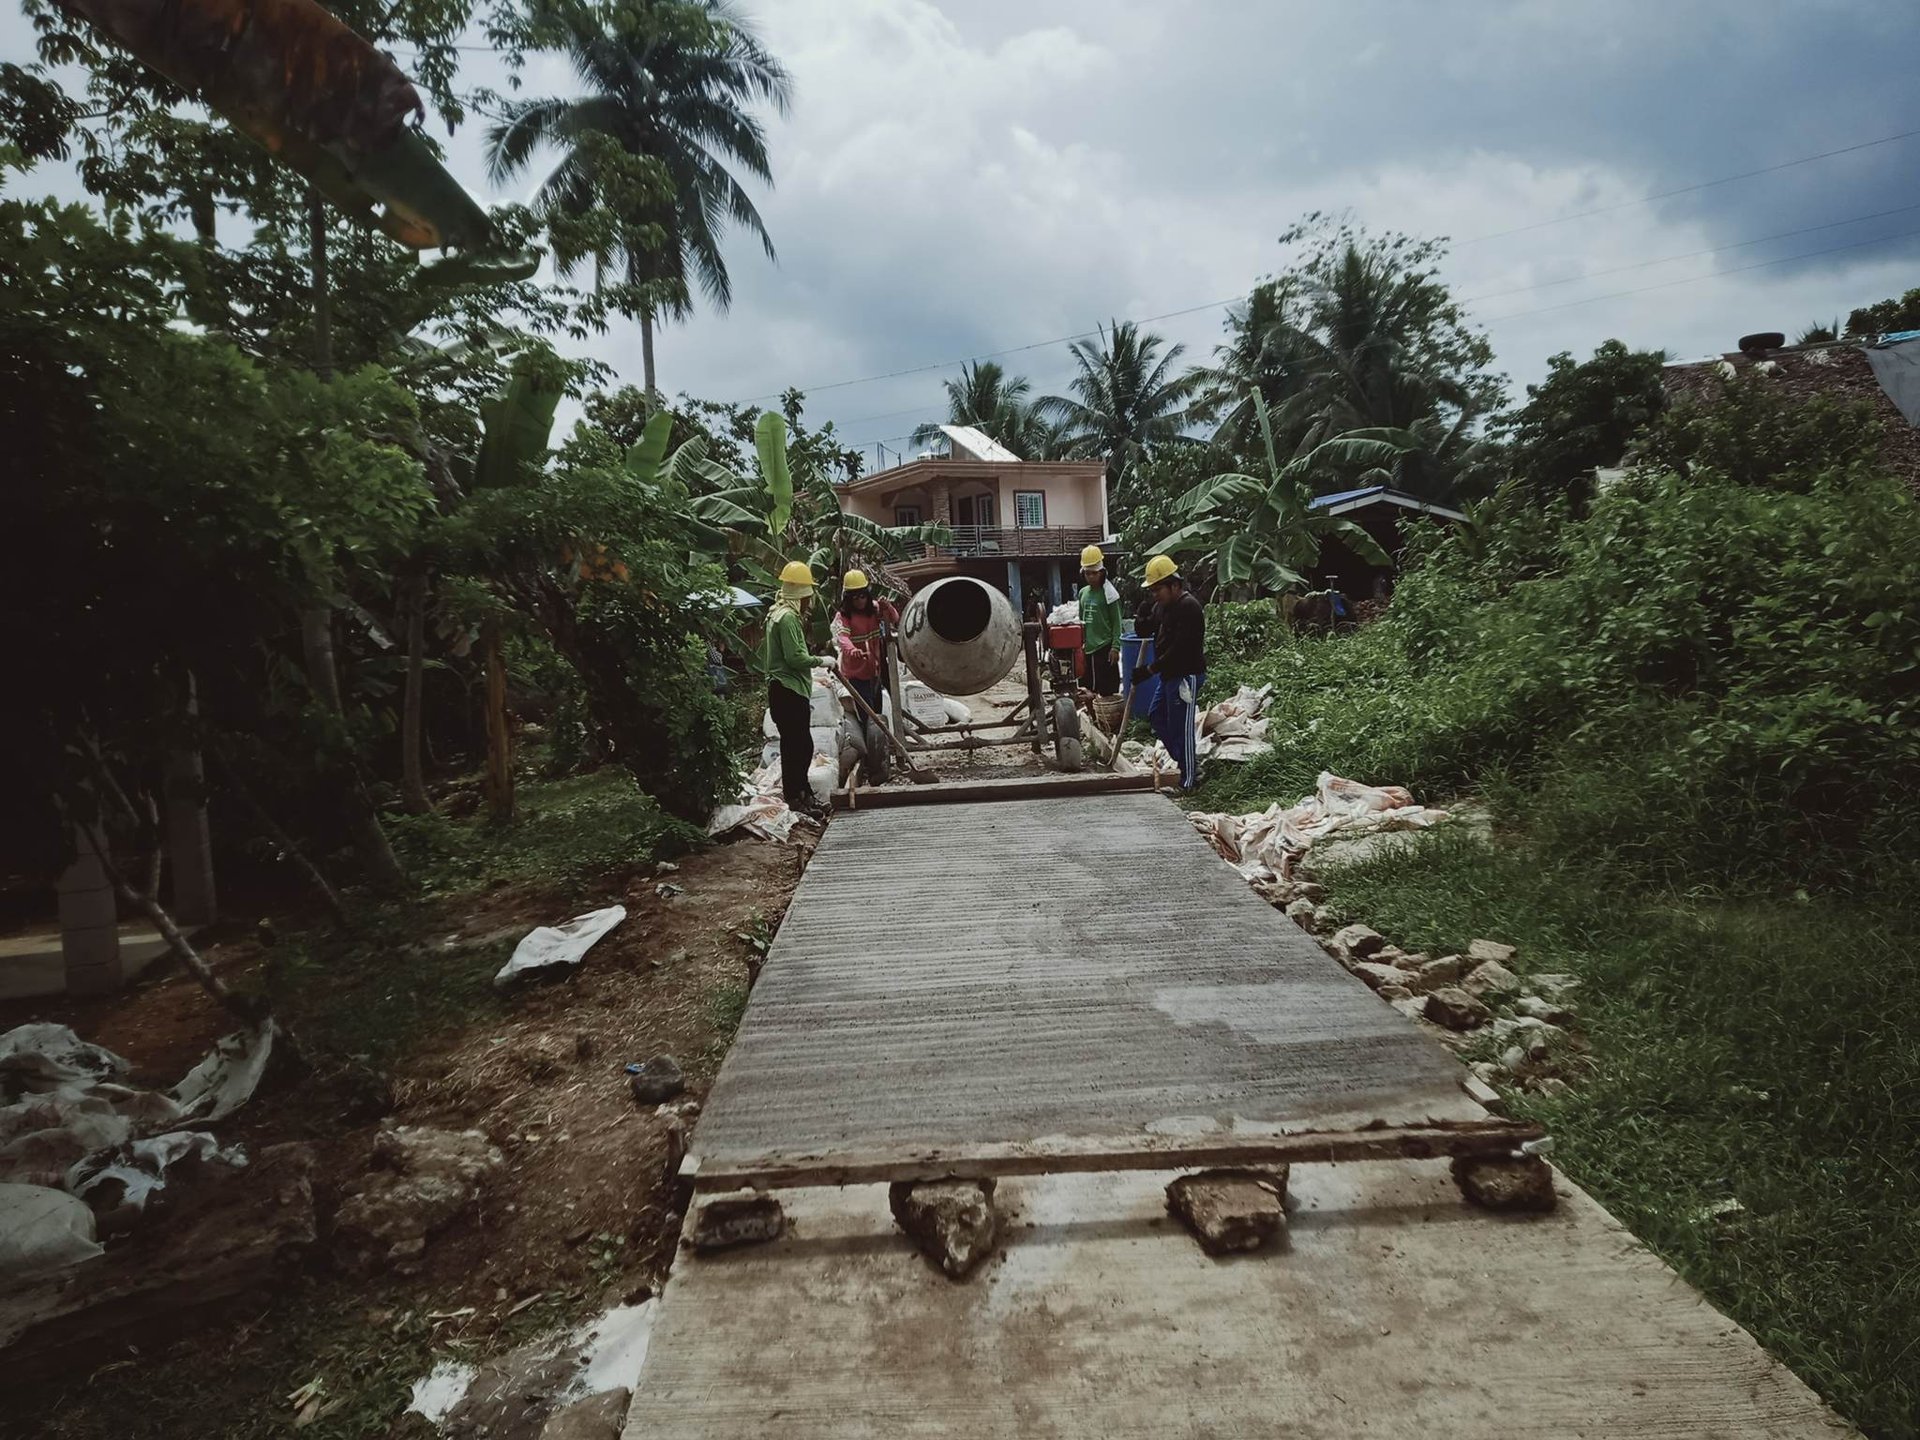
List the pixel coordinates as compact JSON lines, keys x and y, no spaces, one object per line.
{"x":978,"y":444}
{"x":1383,"y":495}
{"x":1320,"y":502}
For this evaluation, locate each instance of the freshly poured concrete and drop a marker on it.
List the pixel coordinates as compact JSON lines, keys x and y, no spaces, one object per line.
{"x":1038,"y":969}
{"x":1396,"y":1311}
{"x":1088,"y":968}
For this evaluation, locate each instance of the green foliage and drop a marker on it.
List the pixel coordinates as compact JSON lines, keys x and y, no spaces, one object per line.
{"x":1360,"y":333}
{"x":568,"y":833}
{"x":1752,"y":434}
{"x":1126,"y":396}
{"x":1000,"y":407}
{"x":1583,"y":415}
{"x":1705,"y":677}
{"x":1260,"y":531}
{"x":1888,"y":317}
{"x":1762,"y":1052}
{"x":669,"y":85}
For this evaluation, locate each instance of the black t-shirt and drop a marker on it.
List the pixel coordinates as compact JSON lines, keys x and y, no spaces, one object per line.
{"x":1180,"y":643}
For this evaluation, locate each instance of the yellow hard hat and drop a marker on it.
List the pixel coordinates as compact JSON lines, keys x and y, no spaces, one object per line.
{"x":1161,"y":567}
{"x":797,"y":572}
{"x":1091,"y":558}
{"x":855,"y":580}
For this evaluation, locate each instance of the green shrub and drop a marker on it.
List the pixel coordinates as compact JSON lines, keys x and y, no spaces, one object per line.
{"x":1713,"y":678}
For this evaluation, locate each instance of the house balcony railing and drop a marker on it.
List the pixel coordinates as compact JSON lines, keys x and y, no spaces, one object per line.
{"x":992,"y":542}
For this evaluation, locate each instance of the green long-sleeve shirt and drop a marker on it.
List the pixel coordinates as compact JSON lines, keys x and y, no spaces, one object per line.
{"x":786,"y":656}
{"x":1101,"y":616}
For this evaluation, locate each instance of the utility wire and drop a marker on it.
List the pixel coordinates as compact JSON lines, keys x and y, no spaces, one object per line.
{"x":1696,"y":279}
{"x":812,"y":390}
{"x":1611,"y":295}
{"x":1691,"y":189}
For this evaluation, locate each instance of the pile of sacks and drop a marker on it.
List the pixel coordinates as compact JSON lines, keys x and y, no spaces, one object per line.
{"x":1233,"y":730}
{"x":839,"y":743}
{"x":82,"y":1153}
{"x":1267,"y":844}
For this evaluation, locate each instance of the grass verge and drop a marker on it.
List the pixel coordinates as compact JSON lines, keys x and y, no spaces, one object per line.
{"x":1763,"y":1052}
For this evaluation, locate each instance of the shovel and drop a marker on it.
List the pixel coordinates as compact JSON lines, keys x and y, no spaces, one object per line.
{"x":914,"y":772}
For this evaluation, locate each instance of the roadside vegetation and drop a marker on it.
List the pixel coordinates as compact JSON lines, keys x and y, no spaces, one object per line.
{"x":1694,"y":714}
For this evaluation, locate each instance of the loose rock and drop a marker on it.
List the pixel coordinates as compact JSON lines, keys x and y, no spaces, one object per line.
{"x":1500,"y":1184}
{"x":1358,"y":942}
{"x":1301,"y":912}
{"x":1556,"y":985}
{"x":1375,"y":975}
{"x":1490,"y":978}
{"x":1552,"y":1086}
{"x":1231,"y":1211}
{"x":746,"y":1218}
{"x":1415,"y":962}
{"x":1444,"y":971}
{"x":1389,"y":955}
{"x":1491,"y":950}
{"x":1534,"y":1008}
{"x":659,"y":1079}
{"x":1455,"y":1009}
{"x":427,"y":1178}
{"x":952,"y":1221}
{"x":1394,"y":992}
{"x":598,"y":1417}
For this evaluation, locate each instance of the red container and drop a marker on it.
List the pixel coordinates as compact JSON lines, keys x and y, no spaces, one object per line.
{"x":1066,"y":637}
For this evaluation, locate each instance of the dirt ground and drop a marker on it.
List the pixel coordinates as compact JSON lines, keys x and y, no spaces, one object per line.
{"x":584,"y":1213}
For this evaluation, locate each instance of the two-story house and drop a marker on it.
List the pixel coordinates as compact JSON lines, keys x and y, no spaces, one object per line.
{"x":1018,"y":524}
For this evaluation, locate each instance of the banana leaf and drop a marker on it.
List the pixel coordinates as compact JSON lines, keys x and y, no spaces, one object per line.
{"x":770,"y":442}
{"x":325,"y":102}
{"x":515,"y":427}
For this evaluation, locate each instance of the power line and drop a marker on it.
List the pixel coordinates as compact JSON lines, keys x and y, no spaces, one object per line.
{"x":1616,"y":270}
{"x":811,"y":390}
{"x":1691,"y":189}
{"x":1696,"y":279}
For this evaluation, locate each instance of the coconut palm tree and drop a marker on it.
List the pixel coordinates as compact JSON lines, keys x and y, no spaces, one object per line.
{"x":1126,"y":396}
{"x":1266,"y":353}
{"x":1259,"y":530}
{"x":996,"y":404}
{"x":671,"y":81}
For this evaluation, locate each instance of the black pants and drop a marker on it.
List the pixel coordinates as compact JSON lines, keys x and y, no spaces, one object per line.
{"x":790,"y":713}
{"x":1103,"y":669}
{"x":870,"y":691}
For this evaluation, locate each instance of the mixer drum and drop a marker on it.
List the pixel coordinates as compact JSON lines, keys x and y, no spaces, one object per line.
{"x":960,"y":635}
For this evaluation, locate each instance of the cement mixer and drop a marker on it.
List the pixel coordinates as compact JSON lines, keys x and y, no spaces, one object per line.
{"x":961,"y":637}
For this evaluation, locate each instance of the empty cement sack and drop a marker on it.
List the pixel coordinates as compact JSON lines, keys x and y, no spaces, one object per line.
{"x":555,"y":946}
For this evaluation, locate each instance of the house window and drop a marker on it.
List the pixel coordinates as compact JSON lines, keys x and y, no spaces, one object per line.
{"x":973,"y":510}
{"x":1030,"y":509}
{"x":906,"y":514}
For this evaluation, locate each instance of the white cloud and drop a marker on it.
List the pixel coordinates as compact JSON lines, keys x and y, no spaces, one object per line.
{"x":973,"y":175}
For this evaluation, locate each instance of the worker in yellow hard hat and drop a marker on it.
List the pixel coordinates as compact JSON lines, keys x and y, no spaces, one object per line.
{"x":790,"y":682}
{"x":1100,"y":621}
{"x":1179,"y":663}
{"x":860,"y":624}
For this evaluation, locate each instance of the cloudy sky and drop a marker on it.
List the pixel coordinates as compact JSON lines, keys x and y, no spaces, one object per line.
{"x":961,"y":177}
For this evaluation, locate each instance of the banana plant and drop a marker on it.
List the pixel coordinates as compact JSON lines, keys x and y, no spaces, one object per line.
{"x":323,"y":101}
{"x":781,"y":517}
{"x":1262,"y":530}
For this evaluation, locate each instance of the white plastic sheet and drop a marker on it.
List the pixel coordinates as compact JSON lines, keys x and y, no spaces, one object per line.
{"x":550,"y":945}
{"x":227,"y":1078}
{"x":1268,"y":843}
{"x":42,"y":1230}
{"x":762,"y":809}
{"x":124,"y":1179}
